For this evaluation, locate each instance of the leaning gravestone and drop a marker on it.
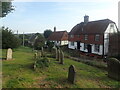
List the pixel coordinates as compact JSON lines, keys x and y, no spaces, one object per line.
{"x":9,"y":54}
{"x":61,"y":57}
{"x":71,"y":74}
{"x":58,"y":55}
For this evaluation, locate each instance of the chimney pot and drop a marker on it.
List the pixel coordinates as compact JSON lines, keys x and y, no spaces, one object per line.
{"x":54,"y":29}
{"x":86,"y":19}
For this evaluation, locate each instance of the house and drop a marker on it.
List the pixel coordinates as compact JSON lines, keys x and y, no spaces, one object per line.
{"x":59,"y":37}
{"x":92,"y":37}
{"x":32,"y":39}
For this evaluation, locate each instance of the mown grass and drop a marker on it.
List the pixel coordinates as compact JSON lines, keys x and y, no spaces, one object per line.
{"x":18,"y":73}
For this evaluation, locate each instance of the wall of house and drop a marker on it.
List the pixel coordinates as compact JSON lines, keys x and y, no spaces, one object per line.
{"x":72,"y":47}
{"x":64,"y":42}
{"x":93,"y":49}
{"x":106,"y":37}
{"x":60,"y":42}
{"x":100,"y":50}
{"x":82,"y":47}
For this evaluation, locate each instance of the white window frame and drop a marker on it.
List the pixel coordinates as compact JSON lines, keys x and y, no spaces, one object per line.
{"x":72,"y":43}
{"x":97,"y":48}
{"x":86,"y":37}
{"x":97,"y":37}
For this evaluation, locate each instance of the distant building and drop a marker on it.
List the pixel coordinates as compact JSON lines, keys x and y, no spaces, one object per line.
{"x":32,"y":39}
{"x":92,"y":37}
{"x":59,"y":37}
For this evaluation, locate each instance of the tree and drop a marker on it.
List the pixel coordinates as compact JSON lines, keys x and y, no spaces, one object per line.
{"x":50,"y":45}
{"x":9,"y":40}
{"x":47,"y":33}
{"x":39,"y":42}
{"x":6,"y":8}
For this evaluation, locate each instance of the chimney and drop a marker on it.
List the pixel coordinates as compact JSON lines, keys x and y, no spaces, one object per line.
{"x":86,"y":19}
{"x":54,"y":29}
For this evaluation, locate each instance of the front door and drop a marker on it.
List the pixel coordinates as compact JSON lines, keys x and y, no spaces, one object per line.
{"x":78,"y":44}
{"x":89,"y":48}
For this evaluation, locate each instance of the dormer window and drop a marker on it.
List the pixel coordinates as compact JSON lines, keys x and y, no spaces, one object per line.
{"x":97,"y":37}
{"x":86,"y":37}
{"x":71,"y":36}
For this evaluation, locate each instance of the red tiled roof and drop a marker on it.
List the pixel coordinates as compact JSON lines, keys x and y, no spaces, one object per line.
{"x":58,"y":35}
{"x":91,"y":27}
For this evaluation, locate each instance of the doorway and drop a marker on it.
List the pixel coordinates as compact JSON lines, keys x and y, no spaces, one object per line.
{"x":78,"y":44}
{"x":89,"y":47}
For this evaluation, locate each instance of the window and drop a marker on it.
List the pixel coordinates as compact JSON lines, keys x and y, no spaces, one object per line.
{"x":112,"y":26}
{"x":97,"y":48}
{"x":85,"y":46}
{"x":97,"y":37}
{"x":72,"y":36}
{"x":86,"y":37}
{"x":78,"y":36}
{"x":72,"y":43}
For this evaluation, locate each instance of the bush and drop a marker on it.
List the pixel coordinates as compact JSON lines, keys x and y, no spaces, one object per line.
{"x":42,"y":62}
{"x":114,"y":68}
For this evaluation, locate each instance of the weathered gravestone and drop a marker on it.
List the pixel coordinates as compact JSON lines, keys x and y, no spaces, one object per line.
{"x":56,"y":55}
{"x":71,"y":74}
{"x":35,"y":56}
{"x":39,"y":54}
{"x":42,"y":52}
{"x":58,"y":52}
{"x":9,"y":54}
{"x":113,"y":65}
{"x":61,"y":57}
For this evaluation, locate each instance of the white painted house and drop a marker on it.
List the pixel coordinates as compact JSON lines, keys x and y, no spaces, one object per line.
{"x":92,"y":36}
{"x":59,"y":37}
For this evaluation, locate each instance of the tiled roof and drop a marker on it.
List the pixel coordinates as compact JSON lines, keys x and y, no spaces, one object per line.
{"x":57,"y":36}
{"x":91,"y":27}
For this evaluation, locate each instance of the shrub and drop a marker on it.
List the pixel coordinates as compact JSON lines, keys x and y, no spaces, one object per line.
{"x":114,"y":68}
{"x":42,"y":62}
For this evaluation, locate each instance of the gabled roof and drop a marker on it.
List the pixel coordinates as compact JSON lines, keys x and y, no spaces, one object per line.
{"x":57,"y":35}
{"x":33,"y":37}
{"x":92,"y":27}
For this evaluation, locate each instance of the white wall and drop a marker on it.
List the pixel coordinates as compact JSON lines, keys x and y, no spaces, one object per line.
{"x":72,"y":47}
{"x":82,"y":47}
{"x":64,"y":42}
{"x":106,"y":37}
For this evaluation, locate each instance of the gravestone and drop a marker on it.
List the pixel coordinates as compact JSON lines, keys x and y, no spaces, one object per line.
{"x":58,"y":52}
{"x":35,"y":56}
{"x":42,"y":52}
{"x":9,"y":54}
{"x":39,"y":54}
{"x":71,"y":74}
{"x":61,"y":57}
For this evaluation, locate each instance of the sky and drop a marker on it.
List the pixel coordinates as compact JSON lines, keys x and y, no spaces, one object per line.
{"x":37,"y":16}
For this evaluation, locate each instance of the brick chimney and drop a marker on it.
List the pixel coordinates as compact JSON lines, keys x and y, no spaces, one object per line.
{"x":86,"y":19}
{"x":54,"y":29}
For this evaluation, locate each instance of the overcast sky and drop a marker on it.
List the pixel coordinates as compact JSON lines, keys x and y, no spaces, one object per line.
{"x":33,"y":17}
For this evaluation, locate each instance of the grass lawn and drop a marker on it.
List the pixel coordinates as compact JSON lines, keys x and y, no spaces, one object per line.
{"x":18,"y":73}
